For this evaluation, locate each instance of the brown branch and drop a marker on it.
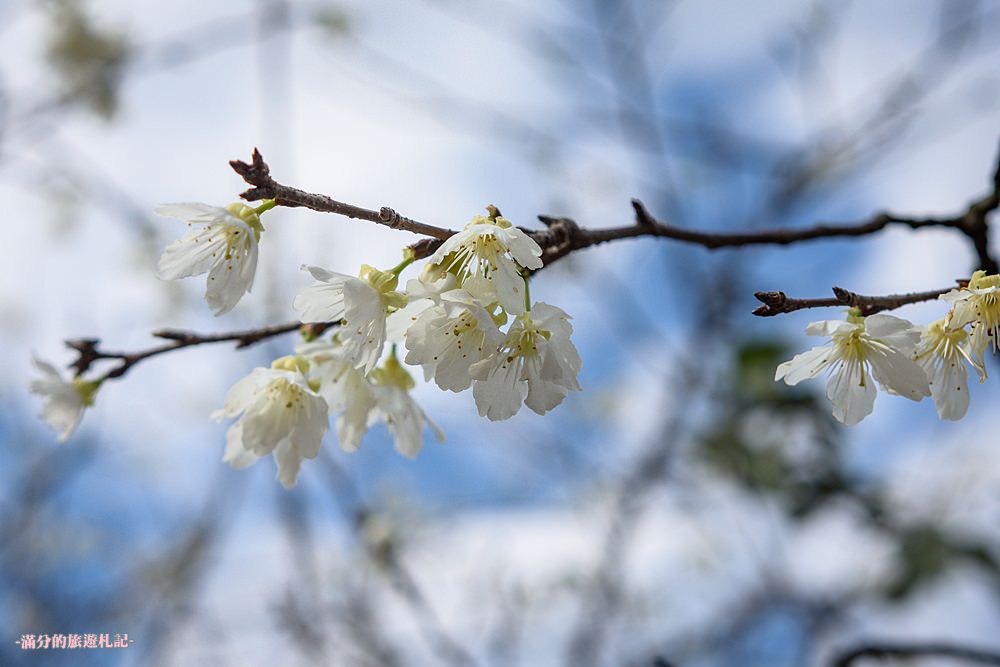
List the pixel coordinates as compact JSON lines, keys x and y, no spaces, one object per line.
{"x":776,"y":303}
{"x":892,"y":651}
{"x":89,"y":352}
{"x":258,"y":174}
{"x":972,"y":222}
{"x":564,"y":236}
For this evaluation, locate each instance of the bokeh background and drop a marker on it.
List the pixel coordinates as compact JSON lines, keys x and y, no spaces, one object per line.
{"x":682,"y":510}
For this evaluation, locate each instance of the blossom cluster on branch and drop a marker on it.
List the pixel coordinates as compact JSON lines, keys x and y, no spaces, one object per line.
{"x":906,"y":360}
{"x":467,"y":320}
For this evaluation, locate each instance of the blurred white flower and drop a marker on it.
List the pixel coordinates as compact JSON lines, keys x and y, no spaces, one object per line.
{"x":345,"y":389}
{"x":493,"y":249}
{"x":536,"y":364}
{"x":360,"y":304}
{"x":448,"y":338}
{"x":222,"y":242}
{"x":278,"y":412}
{"x":943,"y":353}
{"x":64,"y":400}
{"x":978,"y":304}
{"x":862,"y":348}
{"x":390,"y":386}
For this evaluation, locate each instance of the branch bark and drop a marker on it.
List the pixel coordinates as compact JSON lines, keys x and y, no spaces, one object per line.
{"x":776,"y":303}
{"x":564,"y":236}
{"x":258,"y":174}
{"x":89,"y":352}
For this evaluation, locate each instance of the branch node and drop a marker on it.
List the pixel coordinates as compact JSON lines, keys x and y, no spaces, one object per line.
{"x":171,"y":334}
{"x":87,"y":352}
{"x":389,"y":217}
{"x":258,"y":174}
{"x":845,"y":297}
{"x":642,"y":216}
{"x":774,"y":303}
{"x":425,"y":248}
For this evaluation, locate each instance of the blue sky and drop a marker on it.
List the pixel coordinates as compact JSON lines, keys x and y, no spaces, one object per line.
{"x":348,"y":117}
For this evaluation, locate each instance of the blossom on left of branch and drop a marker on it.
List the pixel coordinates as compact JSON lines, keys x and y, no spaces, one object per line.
{"x":221,"y":242}
{"x":65,"y":400}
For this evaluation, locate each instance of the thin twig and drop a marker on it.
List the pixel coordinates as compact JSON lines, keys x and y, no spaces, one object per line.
{"x":258,"y":174}
{"x":89,"y":351}
{"x":881,"y":651}
{"x":776,"y":303}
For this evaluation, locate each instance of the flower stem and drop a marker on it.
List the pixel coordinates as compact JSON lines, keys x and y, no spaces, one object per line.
{"x":396,"y":270}
{"x":527,"y":293}
{"x":265,"y":205}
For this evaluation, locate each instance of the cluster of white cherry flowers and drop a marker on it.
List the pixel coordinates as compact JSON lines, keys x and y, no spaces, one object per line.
{"x":905,"y":359}
{"x":450,"y":321}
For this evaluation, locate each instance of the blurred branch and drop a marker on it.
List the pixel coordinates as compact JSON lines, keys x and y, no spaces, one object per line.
{"x":445,"y":646}
{"x":89,"y":352}
{"x":894,"y":651}
{"x":384,"y":551}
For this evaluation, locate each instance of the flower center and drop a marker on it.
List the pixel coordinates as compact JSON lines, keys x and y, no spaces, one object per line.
{"x":289,"y":393}
{"x":988,"y":312}
{"x":392,"y":373}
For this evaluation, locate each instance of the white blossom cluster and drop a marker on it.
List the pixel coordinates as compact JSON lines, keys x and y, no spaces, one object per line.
{"x":466,"y":320}
{"x":905,"y":359}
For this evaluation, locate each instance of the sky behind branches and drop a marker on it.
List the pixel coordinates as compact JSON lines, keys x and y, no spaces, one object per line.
{"x":438,"y":108}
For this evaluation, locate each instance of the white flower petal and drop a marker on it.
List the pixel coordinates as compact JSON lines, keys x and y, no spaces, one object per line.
{"x":852,"y":393}
{"x":498,"y":391}
{"x":236,"y":454}
{"x":280,"y":414}
{"x":509,"y":285}
{"x":522,"y":247}
{"x":193,"y":212}
{"x":828,"y":327}
{"x":806,"y":365}
{"x":225,"y":247}
{"x":403,"y":417}
{"x":397,"y":323}
{"x":62,"y":406}
{"x":193,"y":254}
{"x":950,"y":388}
{"x":893,"y":331}
{"x":897,"y":372}
{"x":289,"y":463}
{"x":228,"y":281}
{"x":353,"y":422}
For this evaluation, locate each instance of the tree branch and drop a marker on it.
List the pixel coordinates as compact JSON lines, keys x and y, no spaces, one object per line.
{"x":564,"y":236}
{"x":258,"y":174}
{"x":89,"y":352}
{"x":880,"y":651}
{"x":776,"y":303}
